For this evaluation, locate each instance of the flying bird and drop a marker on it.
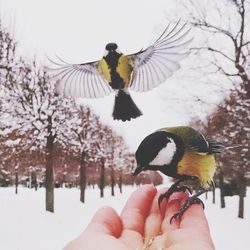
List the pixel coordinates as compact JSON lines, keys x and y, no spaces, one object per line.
{"x":184,"y":154}
{"x":141,"y":71}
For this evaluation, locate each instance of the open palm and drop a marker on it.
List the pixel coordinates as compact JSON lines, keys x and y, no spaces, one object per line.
{"x":142,"y":225}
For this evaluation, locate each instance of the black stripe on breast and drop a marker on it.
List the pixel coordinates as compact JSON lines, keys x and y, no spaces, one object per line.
{"x":112,"y":60}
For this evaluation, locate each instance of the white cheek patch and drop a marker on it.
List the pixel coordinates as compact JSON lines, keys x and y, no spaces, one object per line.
{"x":165,"y":155}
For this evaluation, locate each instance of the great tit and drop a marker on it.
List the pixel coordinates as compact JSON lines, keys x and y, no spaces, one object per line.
{"x":182,"y":153}
{"x":117,"y":72}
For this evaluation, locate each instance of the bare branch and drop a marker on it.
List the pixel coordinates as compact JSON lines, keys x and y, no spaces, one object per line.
{"x":212,"y":28}
{"x":214,"y":50}
{"x":246,"y":44}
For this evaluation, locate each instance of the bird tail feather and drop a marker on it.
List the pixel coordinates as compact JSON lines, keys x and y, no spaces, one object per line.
{"x":125,"y":108}
{"x":217,"y":147}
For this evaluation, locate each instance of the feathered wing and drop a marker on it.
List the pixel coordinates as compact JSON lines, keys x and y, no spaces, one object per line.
{"x":209,"y":146}
{"x":159,"y":61}
{"x":193,"y":139}
{"x":79,"y":80}
{"x":199,"y":143}
{"x":218,"y":147}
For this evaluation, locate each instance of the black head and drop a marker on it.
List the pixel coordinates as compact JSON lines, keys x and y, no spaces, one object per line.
{"x":150,"y":147}
{"x":148,"y":150}
{"x":158,"y":151}
{"x":111,"y":47}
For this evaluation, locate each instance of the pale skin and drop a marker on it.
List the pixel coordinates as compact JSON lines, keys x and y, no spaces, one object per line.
{"x":142,"y":226}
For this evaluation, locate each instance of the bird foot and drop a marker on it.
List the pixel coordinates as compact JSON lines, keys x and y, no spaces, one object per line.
{"x":174,"y":188}
{"x":190,"y":201}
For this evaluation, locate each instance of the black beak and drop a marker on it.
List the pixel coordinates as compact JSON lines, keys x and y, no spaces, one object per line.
{"x":138,"y":170}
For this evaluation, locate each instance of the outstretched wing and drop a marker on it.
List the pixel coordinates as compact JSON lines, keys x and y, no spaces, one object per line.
{"x":79,"y":80}
{"x":159,"y":61}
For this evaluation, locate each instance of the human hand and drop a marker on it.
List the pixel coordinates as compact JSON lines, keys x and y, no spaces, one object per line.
{"x":142,"y":225}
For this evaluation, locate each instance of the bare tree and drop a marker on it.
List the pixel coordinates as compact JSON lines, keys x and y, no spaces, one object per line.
{"x":102,"y":143}
{"x":228,"y":38}
{"x":80,"y":133}
{"x":226,"y":26}
{"x":35,"y":107}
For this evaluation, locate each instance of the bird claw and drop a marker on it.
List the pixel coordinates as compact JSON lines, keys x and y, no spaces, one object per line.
{"x":160,"y":199}
{"x":184,"y":189}
{"x":171,"y":190}
{"x":175,"y":216}
{"x":190,"y":201}
{"x":199,"y":201}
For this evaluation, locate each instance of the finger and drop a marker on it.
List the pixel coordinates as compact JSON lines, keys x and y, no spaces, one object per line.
{"x":134,"y":214}
{"x":193,"y":231}
{"x":106,"y":221}
{"x":159,"y":242}
{"x":137,"y":208}
{"x":194,"y":215}
{"x":155,"y":217}
{"x":194,"y":218}
{"x":174,"y":204}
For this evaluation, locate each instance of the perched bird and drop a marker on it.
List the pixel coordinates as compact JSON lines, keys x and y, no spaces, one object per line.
{"x":117,"y":72}
{"x":182,"y":153}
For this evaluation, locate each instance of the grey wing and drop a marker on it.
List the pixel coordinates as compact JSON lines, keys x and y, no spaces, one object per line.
{"x":79,"y":80}
{"x":159,"y":61}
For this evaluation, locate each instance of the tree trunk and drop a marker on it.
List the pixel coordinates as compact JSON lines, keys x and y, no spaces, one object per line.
{"x":49,"y":174}
{"x":213,"y":196}
{"x":34,"y":179}
{"x":206,"y":196}
{"x":30,"y":185}
{"x":82,"y":177}
{"x":102,"y":178}
{"x":120,"y":183}
{"x":222,"y":194}
{"x":112,"y":181}
{"x":241,"y":206}
{"x":242,"y":193}
{"x":16,"y":181}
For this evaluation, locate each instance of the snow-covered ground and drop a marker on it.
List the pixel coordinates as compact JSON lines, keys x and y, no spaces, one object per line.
{"x":26,"y":226}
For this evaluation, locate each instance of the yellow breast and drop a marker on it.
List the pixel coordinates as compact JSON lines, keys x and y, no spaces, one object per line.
{"x":124,"y":69}
{"x":104,"y":70}
{"x":199,"y":165}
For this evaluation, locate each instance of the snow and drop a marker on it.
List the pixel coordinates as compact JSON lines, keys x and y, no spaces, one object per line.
{"x":26,"y":226}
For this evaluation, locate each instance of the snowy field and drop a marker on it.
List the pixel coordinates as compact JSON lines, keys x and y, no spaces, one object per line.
{"x":26,"y":226}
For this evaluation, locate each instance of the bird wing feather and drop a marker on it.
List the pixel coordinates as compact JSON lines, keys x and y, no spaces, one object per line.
{"x":159,"y":61}
{"x":219,"y":147}
{"x":199,"y":143}
{"x":79,"y":80}
{"x":209,"y":146}
{"x":193,"y":139}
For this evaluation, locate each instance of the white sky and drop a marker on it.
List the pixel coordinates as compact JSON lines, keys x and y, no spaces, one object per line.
{"x":77,"y":31}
